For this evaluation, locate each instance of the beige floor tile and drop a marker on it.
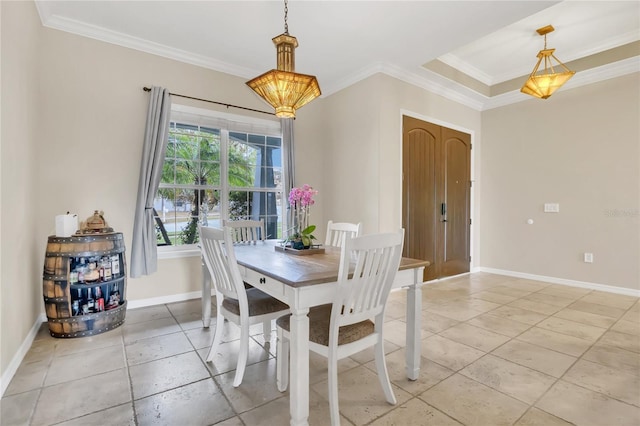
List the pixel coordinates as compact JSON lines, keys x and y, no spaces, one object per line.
{"x":582,"y":406}
{"x":17,"y":409}
{"x":89,"y":343}
{"x":360,"y":395}
{"x":550,"y":299}
{"x":148,"y":313}
{"x":493,"y":297}
{"x":585,"y":318}
{"x":190,"y":320}
{"x":615,"y":357}
{"x":395,"y":331}
{"x":472,"y":403}
{"x":146,"y":350}
{"x":610,"y":299}
{"x":415,"y":412}
{"x":532,"y":305}
{"x":188,"y":306}
{"x":565,"y":291}
{"x":121,"y":415}
{"x":368,"y":354}
{"x":146,"y":329}
{"x":28,"y":377}
{"x":564,"y":343}
{"x":84,"y":364}
{"x":258,"y":386}
{"x":453,"y":311}
{"x":616,"y":383}
{"x":511,"y":291}
{"x":69,"y":400}
{"x":499,"y":324}
{"x":226,"y":357}
{"x":233,"y":421}
{"x":595,"y":308}
{"x":435,"y":323}
{"x":201,"y":337}
{"x":518,"y":314}
{"x":318,"y":367}
{"x":448,"y":353}
{"x":165,"y":374}
{"x":475,"y":337}
{"x":41,"y":350}
{"x":202,"y":403}
{"x":538,"y":358}
{"x":395,"y":310}
{"x":520,"y":382}
{"x":537,"y":417}
{"x":572,"y":328}
{"x":526,"y":284}
{"x":430,"y":372}
{"x":276,"y":412}
{"x":628,"y":327}
{"x":621,"y":340}
{"x":632,"y":315}
{"x":471,"y":303}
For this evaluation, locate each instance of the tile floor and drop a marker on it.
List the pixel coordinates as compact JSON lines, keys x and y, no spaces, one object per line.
{"x":496,"y":351}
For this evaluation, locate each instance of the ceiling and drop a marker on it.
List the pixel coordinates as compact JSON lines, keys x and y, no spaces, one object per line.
{"x":477,"y":53}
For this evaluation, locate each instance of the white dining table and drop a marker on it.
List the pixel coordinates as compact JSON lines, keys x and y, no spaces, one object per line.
{"x":310,"y":280}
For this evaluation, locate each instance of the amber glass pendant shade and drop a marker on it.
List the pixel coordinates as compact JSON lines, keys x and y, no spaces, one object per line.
{"x":283,"y":88}
{"x":543,"y":84}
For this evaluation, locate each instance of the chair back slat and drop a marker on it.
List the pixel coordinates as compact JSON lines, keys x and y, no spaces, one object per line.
{"x":365,"y":293}
{"x":246,"y":231}
{"x":217,"y":251}
{"x":337,"y":233}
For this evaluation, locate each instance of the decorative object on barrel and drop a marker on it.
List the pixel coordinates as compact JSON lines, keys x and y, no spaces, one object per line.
{"x":84,"y":280}
{"x":300,"y":239}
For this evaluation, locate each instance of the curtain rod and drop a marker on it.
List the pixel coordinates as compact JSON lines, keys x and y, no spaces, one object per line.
{"x":148,"y":89}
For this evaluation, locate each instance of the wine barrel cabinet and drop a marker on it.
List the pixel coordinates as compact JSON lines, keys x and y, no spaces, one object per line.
{"x":84,"y":284}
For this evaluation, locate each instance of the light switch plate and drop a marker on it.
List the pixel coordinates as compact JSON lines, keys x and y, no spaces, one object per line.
{"x":551,"y":207}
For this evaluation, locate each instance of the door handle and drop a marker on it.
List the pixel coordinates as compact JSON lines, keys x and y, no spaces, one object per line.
{"x":443,"y":211}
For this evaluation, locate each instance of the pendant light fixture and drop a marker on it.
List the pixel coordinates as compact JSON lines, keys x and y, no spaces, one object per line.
{"x":548,"y":81}
{"x":283,"y":88}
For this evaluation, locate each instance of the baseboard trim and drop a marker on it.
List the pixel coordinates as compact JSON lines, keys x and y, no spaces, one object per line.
{"x":13,"y":366}
{"x":572,"y":283}
{"x":161,"y":300}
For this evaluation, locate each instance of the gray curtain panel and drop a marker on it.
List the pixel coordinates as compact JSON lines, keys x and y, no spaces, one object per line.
{"x":289,"y":164}
{"x":144,"y":252}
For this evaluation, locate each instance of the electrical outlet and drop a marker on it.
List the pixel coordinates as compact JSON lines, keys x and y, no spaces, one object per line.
{"x":588,"y":257}
{"x":551,"y":208}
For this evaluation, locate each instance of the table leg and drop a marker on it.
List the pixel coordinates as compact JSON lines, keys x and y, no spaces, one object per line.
{"x":206,"y":296}
{"x":414,"y":324}
{"x":299,"y":367}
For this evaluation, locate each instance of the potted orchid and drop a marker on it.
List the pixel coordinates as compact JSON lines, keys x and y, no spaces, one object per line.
{"x":300,"y":201}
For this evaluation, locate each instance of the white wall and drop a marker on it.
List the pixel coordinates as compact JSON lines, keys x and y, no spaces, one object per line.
{"x":20,"y":206}
{"x":581,"y":149}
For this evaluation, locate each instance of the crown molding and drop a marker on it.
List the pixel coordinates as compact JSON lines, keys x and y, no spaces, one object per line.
{"x":465,"y":67}
{"x":120,"y":39}
{"x":423,"y":78}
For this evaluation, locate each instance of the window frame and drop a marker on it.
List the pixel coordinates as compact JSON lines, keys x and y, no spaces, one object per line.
{"x":227,"y":123}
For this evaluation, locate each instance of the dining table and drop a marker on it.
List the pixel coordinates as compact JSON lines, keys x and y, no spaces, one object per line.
{"x":304,"y":281}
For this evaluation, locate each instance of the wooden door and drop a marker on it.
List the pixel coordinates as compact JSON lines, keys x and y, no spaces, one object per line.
{"x":436,"y":196}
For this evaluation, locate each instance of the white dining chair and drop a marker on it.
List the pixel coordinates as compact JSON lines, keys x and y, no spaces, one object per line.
{"x":354,"y":321}
{"x":246,"y":231}
{"x":243,"y":307}
{"x":338,"y":231}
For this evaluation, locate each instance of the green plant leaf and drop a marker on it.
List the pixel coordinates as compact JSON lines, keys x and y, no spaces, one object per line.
{"x":308,"y":230}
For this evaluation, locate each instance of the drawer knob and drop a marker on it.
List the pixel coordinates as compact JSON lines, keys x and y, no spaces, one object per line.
{"x":263,"y":280}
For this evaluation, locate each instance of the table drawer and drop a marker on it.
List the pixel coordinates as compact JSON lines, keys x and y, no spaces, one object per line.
{"x":260,"y":281}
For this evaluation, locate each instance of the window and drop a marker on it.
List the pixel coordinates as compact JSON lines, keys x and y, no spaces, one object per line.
{"x":218,"y":167}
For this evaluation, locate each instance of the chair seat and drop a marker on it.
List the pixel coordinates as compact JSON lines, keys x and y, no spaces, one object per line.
{"x":260,"y":303}
{"x":319,"y":321}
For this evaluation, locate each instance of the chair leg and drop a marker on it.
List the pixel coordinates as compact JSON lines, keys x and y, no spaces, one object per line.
{"x":243,"y":354}
{"x":217,"y":337}
{"x":383,"y":375}
{"x":266,"y":330}
{"x":334,"y":408}
{"x":282,"y":361}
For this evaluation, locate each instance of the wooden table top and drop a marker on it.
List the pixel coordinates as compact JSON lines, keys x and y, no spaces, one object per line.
{"x":299,"y":271}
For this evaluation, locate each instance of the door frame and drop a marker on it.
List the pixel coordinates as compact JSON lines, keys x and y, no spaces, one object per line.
{"x":475,"y":222}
